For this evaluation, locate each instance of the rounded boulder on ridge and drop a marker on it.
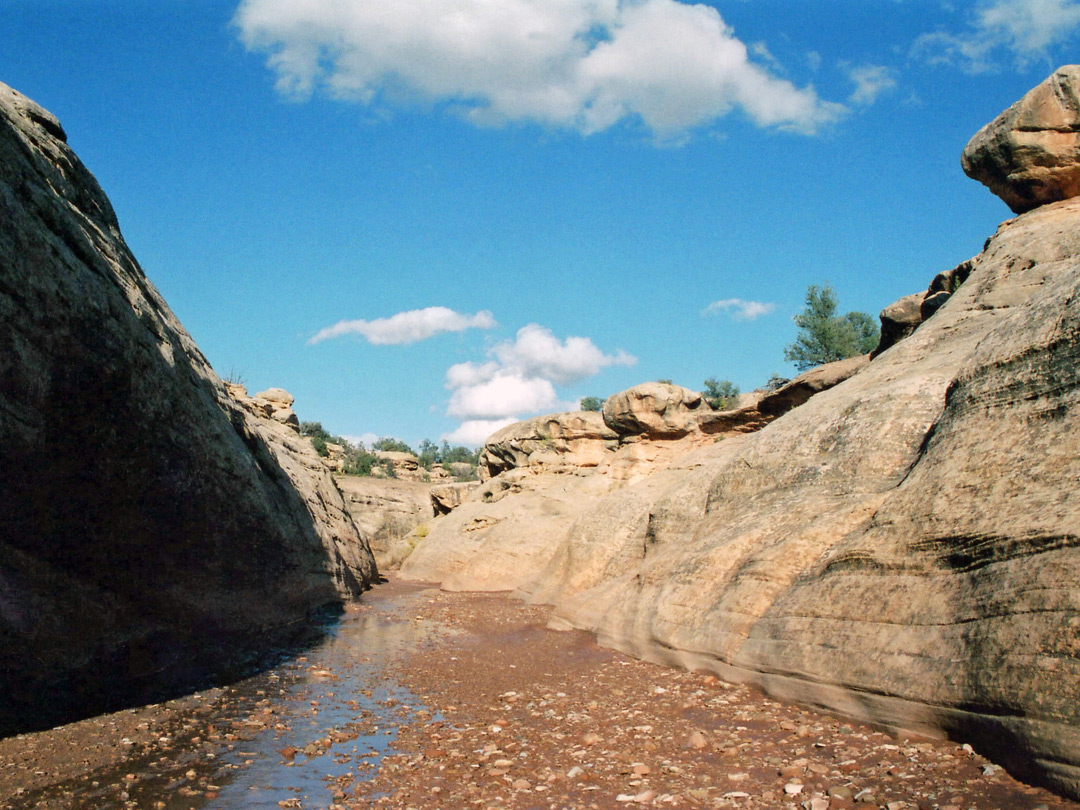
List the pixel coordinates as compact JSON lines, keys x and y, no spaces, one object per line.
{"x":1030,"y":154}
{"x":655,"y":409}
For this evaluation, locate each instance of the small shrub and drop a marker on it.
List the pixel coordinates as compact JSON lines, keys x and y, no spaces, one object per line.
{"x":315,"y":430}
{"x":592,"y":404}
{"x":389,"y":444}
{"x":319,"y":443}
{"x":722,"y":395}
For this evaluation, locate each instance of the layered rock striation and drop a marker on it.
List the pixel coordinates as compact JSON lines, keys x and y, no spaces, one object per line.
{"x":153,"y":529}
{"x":901,"y":547}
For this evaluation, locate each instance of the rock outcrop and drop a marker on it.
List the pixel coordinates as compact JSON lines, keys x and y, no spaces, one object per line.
{"x":152,"y":529}
{"x":571,"y":440}
{"x":445,"y":498}
{"x":655,"y":409}
{"x":1030,"y":154}
{"x":901,"y":548}
{"x":903,"y":317}
{"x":386,"y":510}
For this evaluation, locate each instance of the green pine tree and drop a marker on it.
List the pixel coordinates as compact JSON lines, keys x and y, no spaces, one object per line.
{"x":825,"y":336}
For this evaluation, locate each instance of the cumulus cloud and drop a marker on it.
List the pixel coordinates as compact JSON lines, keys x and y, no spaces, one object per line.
{"x":578,"y":64}
{"x":1026,"y":30}
{"x":366,"y":439}
{"x":407,"y":327}
{"x":475,"y":432}
{"x":870,"y":82}
{"x":506,"y":394}
{"x":740,"y":310}
{"x":521,"y":377}
{"x":536,"y":352}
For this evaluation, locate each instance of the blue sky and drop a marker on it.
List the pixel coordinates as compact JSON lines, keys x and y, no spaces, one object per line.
{"x":427,"y":217}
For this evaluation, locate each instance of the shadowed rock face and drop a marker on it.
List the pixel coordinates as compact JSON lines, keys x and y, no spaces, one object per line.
{"x":152,"y":529}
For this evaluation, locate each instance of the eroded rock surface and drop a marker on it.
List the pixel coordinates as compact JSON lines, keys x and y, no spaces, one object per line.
{"x":569,"y":440}
{"x":152,"y":528}
{"x":901,"y":548}
{"x":1030,"y":154}
{"x":385,"y":511}
{"x":655,"y":409}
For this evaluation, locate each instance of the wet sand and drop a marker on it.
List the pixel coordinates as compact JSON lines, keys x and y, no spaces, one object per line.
{"x":423,"y":699}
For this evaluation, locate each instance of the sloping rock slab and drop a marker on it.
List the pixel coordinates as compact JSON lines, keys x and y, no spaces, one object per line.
{"x":903,"y":547}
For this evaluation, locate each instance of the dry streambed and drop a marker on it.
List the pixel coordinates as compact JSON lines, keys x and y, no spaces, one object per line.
{"x":425,"y":700}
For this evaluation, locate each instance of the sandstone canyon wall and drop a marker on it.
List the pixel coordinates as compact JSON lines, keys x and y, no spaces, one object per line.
{"x":902,"y":547}
{"x":152,"y":527}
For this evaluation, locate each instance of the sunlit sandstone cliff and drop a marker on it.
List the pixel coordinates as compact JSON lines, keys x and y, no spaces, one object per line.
{"x":152,"y":527}
{"x":902,"y":547}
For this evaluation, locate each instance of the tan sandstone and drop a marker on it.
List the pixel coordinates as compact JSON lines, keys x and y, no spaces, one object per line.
{"x":900,"y":548}
{"x":1030,"y":154}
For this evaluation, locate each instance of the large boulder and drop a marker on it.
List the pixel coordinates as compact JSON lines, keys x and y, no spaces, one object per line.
{"x":153,"y":530}
{"x":655,"y":409}
{"x":1030,"y":154}
{"x":575,"y":439}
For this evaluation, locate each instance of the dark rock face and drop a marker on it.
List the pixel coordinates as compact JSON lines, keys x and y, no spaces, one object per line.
{"x":148,"y":532}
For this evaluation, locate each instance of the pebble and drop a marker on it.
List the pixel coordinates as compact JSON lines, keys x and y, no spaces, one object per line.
{"x":697,"y":740}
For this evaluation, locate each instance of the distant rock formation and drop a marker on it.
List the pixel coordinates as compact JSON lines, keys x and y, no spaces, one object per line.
{"x":577,"y":440}
{"x":540,"y":475}
{"x":655,"y":409}
{"x":152,"y":529}
{"x":901,"y":547}
{"x":1030,"y":154}
{"x":385,"y":511}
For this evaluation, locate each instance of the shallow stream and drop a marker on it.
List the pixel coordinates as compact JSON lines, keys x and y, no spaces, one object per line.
{"x":296,"y":735}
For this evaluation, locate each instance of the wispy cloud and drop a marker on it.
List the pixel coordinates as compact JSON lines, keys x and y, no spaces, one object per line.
{"x":1022,"y":31}
{"x":739,"y":309}
{"x":407,"y":327}
{"x":870,"y":82}
{"x":521,"y":377}
{"x":579,"y":64}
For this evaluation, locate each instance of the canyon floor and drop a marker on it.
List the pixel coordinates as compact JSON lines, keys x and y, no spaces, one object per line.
{"x":424,"y":699}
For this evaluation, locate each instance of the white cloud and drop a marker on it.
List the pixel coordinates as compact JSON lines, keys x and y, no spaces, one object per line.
{"x":521,"y":379}
{"x":466,"y":374}
{"x":740,"y":310}
{"x":1025,"y":29}
{"x":870,"y":82}
{"x":536,"y":352}
{"x":475,"y":432}
{"x":366,"y":439}
{"x":506,"y":394}
{"x":578,"y":64}
{"x":407,"y":327}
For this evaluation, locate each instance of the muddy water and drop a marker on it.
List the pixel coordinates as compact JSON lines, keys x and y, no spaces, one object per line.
{"x":296,"y":735}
